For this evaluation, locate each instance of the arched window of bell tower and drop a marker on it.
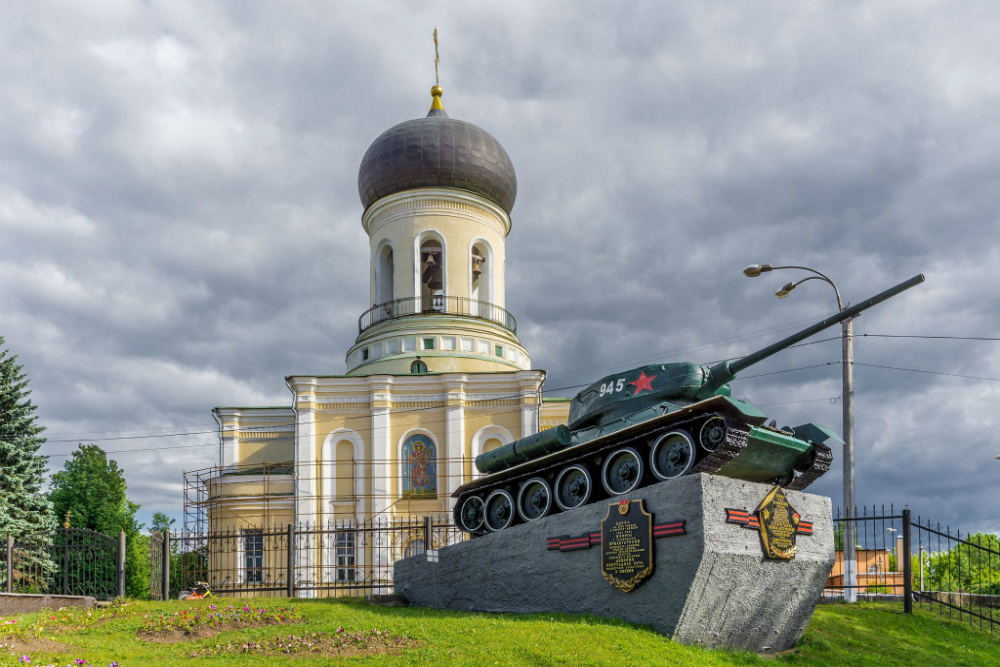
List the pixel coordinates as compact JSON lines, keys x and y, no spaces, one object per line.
{"x":384,"y":291}
{"x":481,"y":275}
{"x":430,"y":271}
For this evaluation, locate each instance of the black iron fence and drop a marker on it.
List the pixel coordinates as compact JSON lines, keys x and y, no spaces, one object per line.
{"x":917,"y":562}
{"x":438,"y":304}
{"x":345,"y":558}
{"x":66,"y":561}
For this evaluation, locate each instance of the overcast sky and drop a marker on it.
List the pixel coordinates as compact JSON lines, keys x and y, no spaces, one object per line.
{"x":180,"y":224}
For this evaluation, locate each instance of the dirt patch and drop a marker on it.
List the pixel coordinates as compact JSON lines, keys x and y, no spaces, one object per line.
{"x":32,"y":646}
{"x":331,"y":646}
{"x":203,"y":631}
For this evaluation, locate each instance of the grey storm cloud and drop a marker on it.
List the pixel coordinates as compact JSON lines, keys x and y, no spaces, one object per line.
{"x":180,"y":226}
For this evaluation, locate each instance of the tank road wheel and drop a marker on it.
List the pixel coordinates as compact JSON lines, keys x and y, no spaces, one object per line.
{"x":672,"y":455}
{"x":573,"y":487}
{"x":472,"y":514}
{"x":712,"y":434}
{"x":499,"y":510}
{"x":622,"y":471}
{"x":534,"y":499}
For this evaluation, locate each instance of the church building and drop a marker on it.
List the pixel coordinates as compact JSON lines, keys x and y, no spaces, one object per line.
{"x":436,"y":375}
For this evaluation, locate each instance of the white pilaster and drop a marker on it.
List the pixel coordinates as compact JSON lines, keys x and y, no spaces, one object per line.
{"x":383,"y":454}
{"x":454,"y":448}
{"x":306,"y":488}
{"x":229,"y":428}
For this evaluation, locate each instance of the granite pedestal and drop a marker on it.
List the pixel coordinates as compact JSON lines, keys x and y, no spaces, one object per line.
{"x":711,"y":586}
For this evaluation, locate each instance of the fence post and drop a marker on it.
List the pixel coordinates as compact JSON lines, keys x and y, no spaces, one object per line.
{"x":290,"y":565}
{"x":165,"y":566}
{"x":428,"y":531}
{"x":121,"y":564}
{"x":10,"y":563}
{"x":907,"y":566}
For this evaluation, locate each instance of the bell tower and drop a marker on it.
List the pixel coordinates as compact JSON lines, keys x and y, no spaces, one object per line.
{"x":437,"y":194}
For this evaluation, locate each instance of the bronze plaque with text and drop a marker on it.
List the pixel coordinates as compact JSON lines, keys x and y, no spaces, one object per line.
{"x":627,"y":544}
{"x":779,"y":523}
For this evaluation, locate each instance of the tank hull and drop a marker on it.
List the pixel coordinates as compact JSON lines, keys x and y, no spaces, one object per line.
{"x":663,"y":442}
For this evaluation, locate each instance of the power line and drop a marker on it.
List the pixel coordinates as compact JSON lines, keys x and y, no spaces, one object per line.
{"x":557,"y":389}
{"x":867,"y":335}
{"x":916,"y":370}
{"x":747,"y":335}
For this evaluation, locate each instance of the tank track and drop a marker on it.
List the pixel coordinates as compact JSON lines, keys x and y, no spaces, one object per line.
{"x":736,"y":440}
{"x":822,"y":459}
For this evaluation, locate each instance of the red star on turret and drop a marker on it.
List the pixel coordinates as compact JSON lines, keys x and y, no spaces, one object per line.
{"x":643,"y":382}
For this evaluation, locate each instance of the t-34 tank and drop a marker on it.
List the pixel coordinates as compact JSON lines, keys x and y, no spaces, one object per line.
{"x":645,"y":425}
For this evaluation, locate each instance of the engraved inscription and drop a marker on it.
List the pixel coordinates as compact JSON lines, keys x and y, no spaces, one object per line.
{"x":625,"y":553}
{"x":626,"y":544}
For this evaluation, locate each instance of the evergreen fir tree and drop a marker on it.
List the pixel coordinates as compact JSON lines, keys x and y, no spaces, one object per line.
{"x":24,"y":509}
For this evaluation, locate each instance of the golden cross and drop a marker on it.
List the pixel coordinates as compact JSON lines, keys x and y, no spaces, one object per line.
{"x":437,"y":58}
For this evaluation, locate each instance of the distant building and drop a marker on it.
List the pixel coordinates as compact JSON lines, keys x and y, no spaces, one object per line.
{"x":875,"y":574}
{"x":436,"y":376}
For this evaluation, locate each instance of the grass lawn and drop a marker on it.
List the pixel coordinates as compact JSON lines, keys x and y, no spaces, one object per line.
{"x":861,"y":634}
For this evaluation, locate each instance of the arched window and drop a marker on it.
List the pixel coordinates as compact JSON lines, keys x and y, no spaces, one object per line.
{"x":419,"y":467}
{"x":481,"y":278}
{"x":414,"y":547}
{"x":344,"y":471}
{"x":418,"y":367}
{"x":384,"y":292}
{"x":432,"y":274}
{"x":491,"y":444}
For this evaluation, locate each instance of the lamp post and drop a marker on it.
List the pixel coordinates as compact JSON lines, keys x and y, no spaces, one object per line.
{"x":847,"y":348}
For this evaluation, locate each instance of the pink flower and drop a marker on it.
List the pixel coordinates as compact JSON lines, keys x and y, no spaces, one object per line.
{"x":25,"y":660}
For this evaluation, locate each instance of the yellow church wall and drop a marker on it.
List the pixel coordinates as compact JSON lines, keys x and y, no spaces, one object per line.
{"x":554,"y":411}
{"x":268,"y":451}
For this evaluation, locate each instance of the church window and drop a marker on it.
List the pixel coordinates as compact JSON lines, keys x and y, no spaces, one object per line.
{"x":253,"y":555}
{"x":418,"y":367}
{"x":414,"y":547}
{"x":384,"y":281}
{"x":432,"y":275}
{"x":491,"y":444}
{"x":428,"y":343}
{"x":498,"y":350}
{"x":344,"y":471}
{"x":364,"y":354}
{"x":345,"y":556}
{"x":481,"y":279}
{"x":419,"y":467}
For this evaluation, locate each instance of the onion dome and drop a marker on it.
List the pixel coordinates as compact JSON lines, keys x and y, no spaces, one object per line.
{"x":437,"y":151}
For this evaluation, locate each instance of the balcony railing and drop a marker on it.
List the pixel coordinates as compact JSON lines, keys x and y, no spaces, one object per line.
{"x":441,"y":305}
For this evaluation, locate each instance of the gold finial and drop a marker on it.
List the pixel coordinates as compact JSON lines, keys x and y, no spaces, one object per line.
{"x":69,"y":513}
{"x":436,"y":90}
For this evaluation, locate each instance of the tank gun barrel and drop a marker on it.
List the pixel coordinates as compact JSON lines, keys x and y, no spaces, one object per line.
{"x":725,"y":371}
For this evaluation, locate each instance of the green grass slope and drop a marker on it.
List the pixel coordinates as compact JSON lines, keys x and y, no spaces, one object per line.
{"x":862,"y":634}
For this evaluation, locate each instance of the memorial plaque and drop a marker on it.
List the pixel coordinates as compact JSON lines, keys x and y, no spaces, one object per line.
{"x":627,"y":544}
{"x":779,"y":523}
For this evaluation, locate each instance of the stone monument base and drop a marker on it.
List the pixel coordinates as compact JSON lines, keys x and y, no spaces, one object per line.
{"x":710,"y":585}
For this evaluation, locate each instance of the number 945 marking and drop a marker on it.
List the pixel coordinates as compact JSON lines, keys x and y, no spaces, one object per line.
{"x":612,"y":387}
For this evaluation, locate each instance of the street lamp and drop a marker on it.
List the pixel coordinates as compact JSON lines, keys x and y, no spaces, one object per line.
{"x":753,"y":271}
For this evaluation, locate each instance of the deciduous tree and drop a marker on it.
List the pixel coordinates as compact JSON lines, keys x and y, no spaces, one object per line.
{"x":92,"y":488}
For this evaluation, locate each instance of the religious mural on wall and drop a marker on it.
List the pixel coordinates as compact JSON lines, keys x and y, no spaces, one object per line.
{"x":419,"y":467}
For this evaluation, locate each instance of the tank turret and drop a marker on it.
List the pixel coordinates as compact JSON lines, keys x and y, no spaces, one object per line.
{"x":649,"y":424}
